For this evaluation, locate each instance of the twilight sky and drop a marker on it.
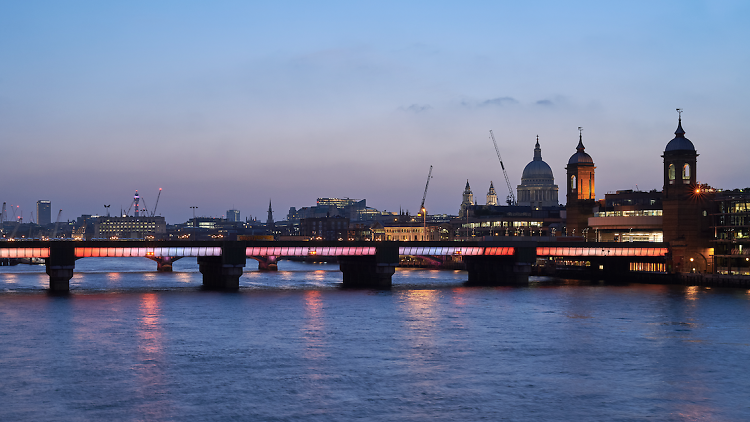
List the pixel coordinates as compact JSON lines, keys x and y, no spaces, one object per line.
{"x":228,"y":104}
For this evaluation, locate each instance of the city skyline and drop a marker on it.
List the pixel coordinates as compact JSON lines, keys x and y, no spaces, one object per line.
{"x":227,"y":106}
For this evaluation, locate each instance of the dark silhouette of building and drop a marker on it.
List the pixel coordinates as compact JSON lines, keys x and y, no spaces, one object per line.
{"x":686,"y":219}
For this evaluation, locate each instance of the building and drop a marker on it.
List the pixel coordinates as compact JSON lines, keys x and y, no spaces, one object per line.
{"x":130,"y":227}
{"x":731,"y":225}
{"x":491,"y":195}
{"x":537,"y":188}
{"x":686,"y":219}
{"x":628,"y":216}
{"x":233,"y":216}
{"x":581,"y":197}
{"x":325,"y":228}
{"x":467,"y":200}
{"x":43,"y":212}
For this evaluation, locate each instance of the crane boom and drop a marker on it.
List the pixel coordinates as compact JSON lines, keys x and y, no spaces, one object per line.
{"x":57,"y":222}
{"x":157,"y":203}
{"x":511,"y":197}
{"x":424,"y":196}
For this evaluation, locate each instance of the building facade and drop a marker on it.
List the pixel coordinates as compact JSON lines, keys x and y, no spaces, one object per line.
{"x":129,"y":227}
{"x":43,"y":212}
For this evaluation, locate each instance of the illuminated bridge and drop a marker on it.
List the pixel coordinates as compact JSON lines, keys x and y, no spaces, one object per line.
{"x":363,"y":264}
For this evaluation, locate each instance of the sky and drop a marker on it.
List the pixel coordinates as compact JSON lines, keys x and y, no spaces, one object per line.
{"x":230,"y":104}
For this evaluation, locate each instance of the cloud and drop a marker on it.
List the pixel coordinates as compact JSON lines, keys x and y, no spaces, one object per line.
{"x":417,"y":108}
{"x":499,"y":101}
{"x":545,"y":103}
{"x":492,"y":102}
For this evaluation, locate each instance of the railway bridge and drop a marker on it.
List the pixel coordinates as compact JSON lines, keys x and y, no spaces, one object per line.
{"x":363,"y":264}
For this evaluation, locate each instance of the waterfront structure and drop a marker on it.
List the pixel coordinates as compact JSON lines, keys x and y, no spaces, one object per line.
{"x":43,"y":212}
{"x":686,"y":220}
{"x":581,"y":188}
{"x":537,"y":188}
{"x":731,"y":225}
{"x":628,"y":216}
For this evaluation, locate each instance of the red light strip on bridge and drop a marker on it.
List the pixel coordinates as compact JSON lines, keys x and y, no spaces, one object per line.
{"x":455,"y":250}
{"x":309,"y":250}
{"x":146,"y":252}
{"x":24,"y":253}
{"x":569,"y":251}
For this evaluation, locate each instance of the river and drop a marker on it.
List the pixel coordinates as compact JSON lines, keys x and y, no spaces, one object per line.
{"x":131,"y":344}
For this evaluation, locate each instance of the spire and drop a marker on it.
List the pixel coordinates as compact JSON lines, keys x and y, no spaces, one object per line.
{"x":679,"y":132}
{"x":537,"y":150}
{"x":580,"y":146}
{"x":467,"y":185}
{"x":270,"y":222}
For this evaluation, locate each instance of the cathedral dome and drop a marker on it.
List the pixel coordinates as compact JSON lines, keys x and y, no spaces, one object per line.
{"x":537,"y":171}
{"x":680,"y":142}
{"x":537,"y":188}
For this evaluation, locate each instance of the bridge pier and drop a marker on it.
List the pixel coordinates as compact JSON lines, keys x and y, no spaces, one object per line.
{"x":373,"y":272}
{"x":60,"y":266}
{"x":223,"y":272}
{"x":502,"y":270}
{"x":497,"y":271}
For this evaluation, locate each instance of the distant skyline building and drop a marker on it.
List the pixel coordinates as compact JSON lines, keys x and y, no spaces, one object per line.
{"x":233,"y":215}
{"x":43,"y":212}
{"x":491,"y":195}
{"x":537,"y":188}
{"x":467,"y":200}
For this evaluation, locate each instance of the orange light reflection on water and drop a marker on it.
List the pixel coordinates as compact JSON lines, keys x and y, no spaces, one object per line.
{"x":313,"y":328}
{"x":149,"y":372}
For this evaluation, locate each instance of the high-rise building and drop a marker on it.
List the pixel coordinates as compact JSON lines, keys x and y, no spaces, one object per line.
{"x":233,"y":215}
{"x":43,"y":212}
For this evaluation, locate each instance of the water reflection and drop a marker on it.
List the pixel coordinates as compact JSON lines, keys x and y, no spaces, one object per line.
{"x":313,"y":328}
{"x":421,"y":319}
{"x":149,"y":367}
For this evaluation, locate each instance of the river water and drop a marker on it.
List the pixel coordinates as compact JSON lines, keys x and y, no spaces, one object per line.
{"x":130,"y":344}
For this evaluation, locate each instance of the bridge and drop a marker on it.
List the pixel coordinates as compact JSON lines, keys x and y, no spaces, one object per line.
{"x":363,"y":264}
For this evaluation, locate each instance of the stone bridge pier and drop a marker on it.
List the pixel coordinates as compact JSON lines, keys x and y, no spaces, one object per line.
{"x":223,"y":272}
{"x":374,"y":271}
{"x":60,"y":266}
{"x":512,"y":270}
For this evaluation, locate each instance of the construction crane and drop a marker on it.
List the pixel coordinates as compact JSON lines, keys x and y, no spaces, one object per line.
{"x":511,"y":198}
{"x":57,"y":222}
{"x":424,"y":196}
{"x":153,"y":213}
{"x":2,"y":215}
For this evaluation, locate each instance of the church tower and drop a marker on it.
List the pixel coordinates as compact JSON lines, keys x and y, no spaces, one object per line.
{"x":491,"y":195}
{"x":686,"y":215}
{"x":581,"y":198}
{"x":468,"y":200}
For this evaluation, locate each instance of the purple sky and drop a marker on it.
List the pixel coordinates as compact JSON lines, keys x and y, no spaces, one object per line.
{"x":230,"y":104}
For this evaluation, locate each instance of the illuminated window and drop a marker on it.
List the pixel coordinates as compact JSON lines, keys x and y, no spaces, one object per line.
{"x":686,"y":172}
{"x":671,"y":172}
{"x":573,"y":182}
